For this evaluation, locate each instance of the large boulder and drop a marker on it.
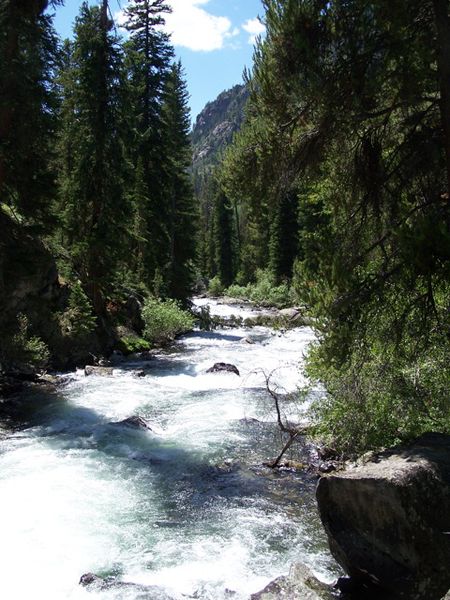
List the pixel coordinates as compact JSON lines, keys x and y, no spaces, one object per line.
{"x":300,"y":584}
{"x":388,"y":521}
{"x":223,"y":368}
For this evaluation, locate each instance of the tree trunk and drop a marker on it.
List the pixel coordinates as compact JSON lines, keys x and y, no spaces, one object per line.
{"x":441,"y":14}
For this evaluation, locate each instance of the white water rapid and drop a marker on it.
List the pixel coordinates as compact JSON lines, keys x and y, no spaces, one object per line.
{"x":188,"y":506}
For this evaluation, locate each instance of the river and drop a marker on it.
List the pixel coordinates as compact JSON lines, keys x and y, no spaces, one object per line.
{"x":187,"y":506}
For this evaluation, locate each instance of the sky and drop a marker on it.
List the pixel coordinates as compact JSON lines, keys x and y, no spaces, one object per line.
{"x":213,"y":38}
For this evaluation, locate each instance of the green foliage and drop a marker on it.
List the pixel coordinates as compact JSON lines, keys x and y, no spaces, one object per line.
{"x":215,"y":287}
{"x":383,"y":400}
{"x":164,"y":320}
{"x":346,"y":114}
{"x":130,"y":344}
{"x":78,"y":321}
{"x":25,"y":349}
{"x":28,"y":106}
{"x":263,"y":292}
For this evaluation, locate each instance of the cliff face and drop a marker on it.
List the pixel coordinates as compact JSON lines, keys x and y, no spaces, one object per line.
{"x":215,"y":126}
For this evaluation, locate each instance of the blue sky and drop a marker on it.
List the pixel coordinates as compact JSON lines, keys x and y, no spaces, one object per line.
{"x":213,"y":38}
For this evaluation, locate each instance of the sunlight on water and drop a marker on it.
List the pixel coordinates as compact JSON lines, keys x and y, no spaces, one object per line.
{"x":186,"y":506}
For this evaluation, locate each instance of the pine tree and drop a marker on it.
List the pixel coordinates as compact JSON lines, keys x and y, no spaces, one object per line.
{"x":148,"y":58}
{"x":223,"y":238}
{"x":92,"y":156}
{"x":28,"y":52}
{"x":182,"y":221}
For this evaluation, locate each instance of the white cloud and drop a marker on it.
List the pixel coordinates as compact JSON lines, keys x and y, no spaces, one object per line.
{"x":191,"y":26}
{"x":254,"y":27}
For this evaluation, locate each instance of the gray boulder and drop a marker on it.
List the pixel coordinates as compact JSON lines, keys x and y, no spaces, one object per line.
{"x":101,"y":371}
{"x":388,"y":521}
{"x":300,"y":584}
{"x":223,"y":368}
{"x":135,"y":422}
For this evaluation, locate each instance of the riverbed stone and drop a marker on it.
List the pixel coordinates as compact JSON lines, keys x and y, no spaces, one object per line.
{"x":388,"y":520}
{"x":135,"y":422}
{"x":224,"y":368}
{"x":140,"y":592}
{"x":100,"y":371}
{"x":300,"y":584}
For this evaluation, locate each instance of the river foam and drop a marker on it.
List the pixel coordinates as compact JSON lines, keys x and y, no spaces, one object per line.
{"x":186,"y":506}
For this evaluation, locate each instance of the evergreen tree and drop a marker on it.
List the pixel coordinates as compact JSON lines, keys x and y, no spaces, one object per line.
{"x":182,"y":221}
{"x":349,"y":105}
{"x":148,"y":58}
{"x":223,"y":238}
{"x":28,"y":53}
{"x":92,"y":157}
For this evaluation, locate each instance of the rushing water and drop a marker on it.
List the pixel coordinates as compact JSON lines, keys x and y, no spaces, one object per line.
{"x":188,"y":506}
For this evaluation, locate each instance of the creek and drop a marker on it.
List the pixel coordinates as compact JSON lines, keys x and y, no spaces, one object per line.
{"x":188,"y":506}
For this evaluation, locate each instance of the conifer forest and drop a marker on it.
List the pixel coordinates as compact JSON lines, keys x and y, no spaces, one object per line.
{"x":225,"y":337}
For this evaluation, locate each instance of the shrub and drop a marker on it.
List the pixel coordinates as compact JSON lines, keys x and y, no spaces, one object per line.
{"x":164,"y":320}
{"x":381,"y":400}
{"x":25,"y":350}
{"x":264,"y":291}
{"x":215,"y":287}
{"x":78,"y":320}
{"x":130,"y":344}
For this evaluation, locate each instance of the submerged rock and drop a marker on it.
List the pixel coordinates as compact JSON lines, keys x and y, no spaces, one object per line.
{"x":101,"y":371}
{"x":223,"y":367}
{"x":300,"y":584}
{"x":388,"y":521}
{"x":135,"y":422}
{"x":146,"y":592}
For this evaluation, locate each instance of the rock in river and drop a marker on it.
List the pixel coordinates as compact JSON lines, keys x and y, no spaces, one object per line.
{"x":300,"y":584}
{"x":223,"y":367}
{"x":388,"y":521}
{"x":101,"y":371}
{"x":135,"y":422}
{"x":140,"y":592}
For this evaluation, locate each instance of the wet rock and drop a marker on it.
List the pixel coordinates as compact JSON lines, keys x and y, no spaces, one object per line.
{"x":139,"y":373}
{"x":145,"y":592}
{"x":100,"y":371}
{"x":223,"y":367}
{"x":291,"y":314}
{"x":135,"y":422}
{"x":388,"y":521}
{"x":300,"y":584}
{"x":90,"y":579}
{"x":327,"y":467}
{"x":247,"y":340}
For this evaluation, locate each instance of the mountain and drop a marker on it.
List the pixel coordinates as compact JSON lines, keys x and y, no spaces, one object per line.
{"x":215,"y":126}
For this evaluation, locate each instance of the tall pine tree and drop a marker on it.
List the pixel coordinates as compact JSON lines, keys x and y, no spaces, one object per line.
{"x":28,"y":51}
{"x":95,"y":213}
{"x":148,"y":58}
{"x":182,"y":221}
